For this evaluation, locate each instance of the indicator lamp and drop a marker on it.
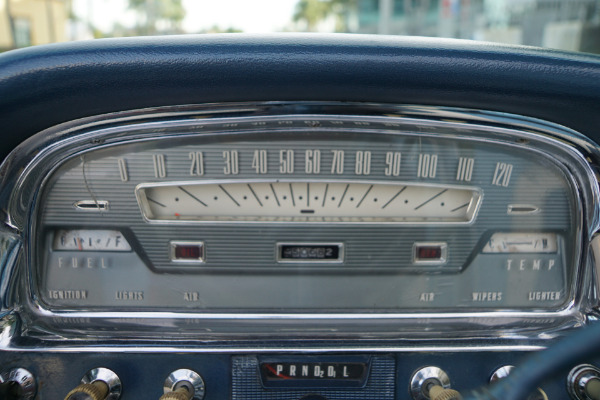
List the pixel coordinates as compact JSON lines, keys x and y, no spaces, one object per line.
{"x":187,"y":251}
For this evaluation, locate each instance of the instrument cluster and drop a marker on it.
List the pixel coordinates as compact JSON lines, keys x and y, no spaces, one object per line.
{"x":310,"y":216}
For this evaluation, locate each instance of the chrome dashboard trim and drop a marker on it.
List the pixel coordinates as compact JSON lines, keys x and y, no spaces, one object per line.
{"x":10,"y":248}
{"x":92,"y":205}
{"x":77,"y":137}
{"x":269,"y":350}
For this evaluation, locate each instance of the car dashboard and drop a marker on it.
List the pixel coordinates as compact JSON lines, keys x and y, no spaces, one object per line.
{"x":295,"y":217}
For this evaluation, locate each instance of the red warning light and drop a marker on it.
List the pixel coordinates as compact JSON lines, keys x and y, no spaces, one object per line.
{"x":429,"y":252}
{"x":187,"y":251}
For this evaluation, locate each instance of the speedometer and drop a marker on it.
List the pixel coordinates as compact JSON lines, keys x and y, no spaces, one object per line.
{"x":283,"y":200}
{"x":300,"y":214}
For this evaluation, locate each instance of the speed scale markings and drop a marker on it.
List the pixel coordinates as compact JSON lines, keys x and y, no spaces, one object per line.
{"x":345,"y":201}
{"x":427,"y":165}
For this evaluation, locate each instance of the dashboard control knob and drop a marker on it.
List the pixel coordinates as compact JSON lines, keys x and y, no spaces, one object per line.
{"x":439,"y":393}
{"x":501,"y":373}
{"x":506,"y":370}
{"x":425,"y":378}
{"x":17,"y":384}
{"x":183,"y":382}
{"x":89,"y":391}
{"x":179,"y":394}
{"x":97,"y":384}
{"x":583,"y":382}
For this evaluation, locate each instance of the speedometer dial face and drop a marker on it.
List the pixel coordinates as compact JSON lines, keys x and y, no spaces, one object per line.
{"x":331,"y":218}
{"x":307,"y":201}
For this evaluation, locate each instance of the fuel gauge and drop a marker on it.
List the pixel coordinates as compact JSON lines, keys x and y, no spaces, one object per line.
{"x":90,"y":240}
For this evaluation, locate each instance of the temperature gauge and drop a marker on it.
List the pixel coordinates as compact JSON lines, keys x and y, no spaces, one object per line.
{"x":90,"y":240}
{"x":520,"y":242}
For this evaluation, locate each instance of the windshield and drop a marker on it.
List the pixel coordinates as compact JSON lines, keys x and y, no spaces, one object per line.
{"x":572,"y":25}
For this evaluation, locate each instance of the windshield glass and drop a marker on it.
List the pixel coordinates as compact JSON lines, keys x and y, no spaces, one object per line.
{"x":572,"y":25}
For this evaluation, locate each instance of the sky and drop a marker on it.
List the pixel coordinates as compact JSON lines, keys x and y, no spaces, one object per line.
{"x":254,"y":16}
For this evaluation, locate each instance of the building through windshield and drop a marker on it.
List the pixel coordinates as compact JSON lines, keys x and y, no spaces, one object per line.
{"x":572,"y":25}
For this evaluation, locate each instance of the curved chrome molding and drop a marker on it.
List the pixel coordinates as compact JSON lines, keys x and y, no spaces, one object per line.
{"x":40,"y":155}
{"x":77,"y":348}
{"x":10,"y":246}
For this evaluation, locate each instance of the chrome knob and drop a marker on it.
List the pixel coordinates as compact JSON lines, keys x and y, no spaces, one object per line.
{"x":423,"y":379}
{"x":97,"y":384}
{"x":506,"y":370}
{"x":183,"y":382}
{"x":17,"y":384}
{"x":583,"y":382}
{"x":501,"y":373}
{"x":179,"y":394}
{"x":89,"y":391}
